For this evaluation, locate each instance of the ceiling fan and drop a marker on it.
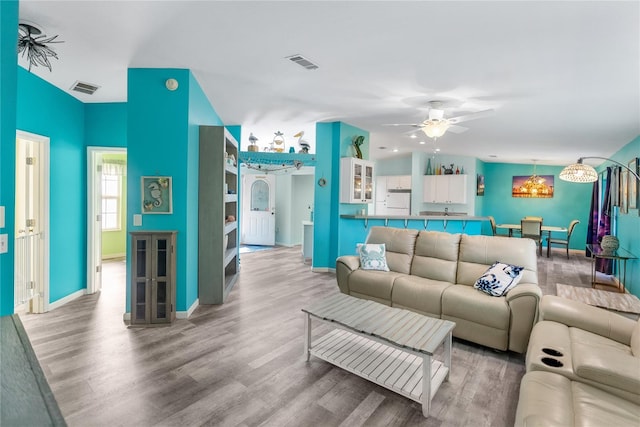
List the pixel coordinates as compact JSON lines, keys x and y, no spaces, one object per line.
{"x":436,"y":124}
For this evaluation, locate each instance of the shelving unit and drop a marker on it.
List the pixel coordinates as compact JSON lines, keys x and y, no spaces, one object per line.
{"x":153,"y":278}
{"x":218,"y":199}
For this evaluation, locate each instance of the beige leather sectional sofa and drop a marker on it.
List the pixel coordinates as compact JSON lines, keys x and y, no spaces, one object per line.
{"x":583,"y":368}
{"x":433,"y":273}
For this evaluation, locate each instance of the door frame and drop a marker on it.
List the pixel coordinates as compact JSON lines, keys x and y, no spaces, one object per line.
{"x":42,"y":303}
{"x":94,"y":246}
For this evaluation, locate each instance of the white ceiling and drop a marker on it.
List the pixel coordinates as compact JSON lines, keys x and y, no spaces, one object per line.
{"x":562,"y":77}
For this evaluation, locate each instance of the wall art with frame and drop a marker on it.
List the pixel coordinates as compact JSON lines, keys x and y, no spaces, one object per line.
{"x":480,"y":185}
{"x":156,"y":195}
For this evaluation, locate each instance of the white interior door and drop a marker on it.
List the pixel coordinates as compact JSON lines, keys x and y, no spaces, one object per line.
{"x":31,"y":223}
{"x":258,"y":210}
{"x":94,"y":220}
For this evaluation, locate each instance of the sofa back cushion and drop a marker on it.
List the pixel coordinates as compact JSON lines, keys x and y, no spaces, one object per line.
{"x":635,"y":340}
{"x":477,"y":253}
{"x":400,"y":244}
{"x":436,"y":256}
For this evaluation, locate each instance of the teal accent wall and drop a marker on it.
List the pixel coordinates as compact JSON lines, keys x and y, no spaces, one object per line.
{"x":45,"y":110}
{"x":164,"y":125}
{"x":570,"y":201}
{"x":628,"y":225}
{"x":8,"y":95}
{"x":106,"y":124}
{"x":333,"y":141}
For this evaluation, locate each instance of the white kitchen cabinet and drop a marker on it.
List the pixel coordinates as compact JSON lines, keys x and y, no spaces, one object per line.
{"x":447,"y":189}
{"x":356,"y":180}
{"x":399,"y":182}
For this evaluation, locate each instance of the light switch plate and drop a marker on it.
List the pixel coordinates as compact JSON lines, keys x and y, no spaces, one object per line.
{"x":4,"y":243}
{"x":137,"y":220}
{"x":1,"y":216}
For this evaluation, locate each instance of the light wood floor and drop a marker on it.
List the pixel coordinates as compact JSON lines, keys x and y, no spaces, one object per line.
{"x":241,"y":363}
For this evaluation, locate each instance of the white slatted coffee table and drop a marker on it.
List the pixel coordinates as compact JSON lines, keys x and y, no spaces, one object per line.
{"x":388,"y":346}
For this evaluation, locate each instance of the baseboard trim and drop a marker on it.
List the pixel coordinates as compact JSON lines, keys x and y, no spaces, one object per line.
{"x":67,"y":299}
{"x":189,"y":312}
{"x":323,"y":270}
{"x":114,"y":256}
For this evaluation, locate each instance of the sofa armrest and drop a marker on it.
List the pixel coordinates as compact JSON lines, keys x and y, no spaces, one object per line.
{"x":523,"y":303}
{"x":345,"y":265}
{"x":592,"y":319}
{"x":607,"y":367}
{"x":525,"y":290}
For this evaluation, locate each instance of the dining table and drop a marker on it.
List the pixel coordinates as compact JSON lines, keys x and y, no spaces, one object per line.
{"x":548,"y":229}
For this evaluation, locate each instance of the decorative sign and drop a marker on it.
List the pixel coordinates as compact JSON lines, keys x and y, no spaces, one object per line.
{"x":156,"y":195}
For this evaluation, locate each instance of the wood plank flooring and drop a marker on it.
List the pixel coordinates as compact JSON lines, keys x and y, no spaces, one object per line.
{"x":242,"y":364}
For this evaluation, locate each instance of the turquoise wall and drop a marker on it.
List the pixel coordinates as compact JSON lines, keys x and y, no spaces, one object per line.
{"x":45,"y":110}
{"x":628,"y":225}
{"x":164,"y":125}
{"x":568,"y":202}
{"x":105,"y":124}
{"x":8,"y":94}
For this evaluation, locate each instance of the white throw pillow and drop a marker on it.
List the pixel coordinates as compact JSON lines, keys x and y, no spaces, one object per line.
{"x":373,"y":256}
{"x":499,"y":279}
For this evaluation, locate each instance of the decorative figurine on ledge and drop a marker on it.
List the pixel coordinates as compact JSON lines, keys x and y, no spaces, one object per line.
{"x":304,"y":145}
{"x":357,"y":141}
{"x":252,"y":140}
{"x":448,"y":171}
{"x":278,"y":140}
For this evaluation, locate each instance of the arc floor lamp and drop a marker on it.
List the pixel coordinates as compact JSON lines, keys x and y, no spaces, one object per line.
{"x":579,"y":172}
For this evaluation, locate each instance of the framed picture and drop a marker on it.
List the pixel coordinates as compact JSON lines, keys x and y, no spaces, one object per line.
{"x":156,"y":195}
{"x":480,"y":185}
{"x":632,"y":184}
{"x":528,"y":187}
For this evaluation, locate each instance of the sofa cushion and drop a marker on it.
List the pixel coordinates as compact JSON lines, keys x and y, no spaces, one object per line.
{"x":377,"y":284}
{"x":399,"y":244}
{"x":419,"y":294}
{"x":372,"y":257}
{"x":477,"y":253}
{"x":498,"y":279}
{"x":635,"y":340}
{"x":436,"y":256}
{"x":465,"y":302}
{"x":547,"y":399}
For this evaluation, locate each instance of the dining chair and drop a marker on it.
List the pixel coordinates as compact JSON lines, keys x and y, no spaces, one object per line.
{"x":532,"y":229}
{"x":492,"y":220}
{"x":563,"y":242}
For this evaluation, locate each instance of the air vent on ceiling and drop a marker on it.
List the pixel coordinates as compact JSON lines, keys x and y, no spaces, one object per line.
{"x":87,"y":88}
{"x":302,"y":61}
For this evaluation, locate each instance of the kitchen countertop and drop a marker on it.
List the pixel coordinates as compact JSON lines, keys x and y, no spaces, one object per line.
{"x":419,"y":217}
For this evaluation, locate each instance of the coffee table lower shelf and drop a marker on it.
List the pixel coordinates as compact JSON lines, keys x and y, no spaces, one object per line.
{"x":395,"y":369}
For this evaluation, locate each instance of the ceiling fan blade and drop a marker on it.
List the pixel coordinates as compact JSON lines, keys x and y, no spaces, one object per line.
{"x":403,"y":124}
{"x":472,"y":116}
{"x":411,"y":132}
{"x":456,"y":129}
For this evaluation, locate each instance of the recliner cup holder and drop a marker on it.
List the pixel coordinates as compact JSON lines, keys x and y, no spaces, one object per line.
{"x":554,"y":363}
{"x":552,"y":352}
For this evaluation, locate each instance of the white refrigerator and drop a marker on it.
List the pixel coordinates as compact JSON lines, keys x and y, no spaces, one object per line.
{"x":394,"y":203}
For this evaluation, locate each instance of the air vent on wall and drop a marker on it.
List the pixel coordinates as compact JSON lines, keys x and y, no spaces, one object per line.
{"x":302,"y":61}
{"x":87,"y":88}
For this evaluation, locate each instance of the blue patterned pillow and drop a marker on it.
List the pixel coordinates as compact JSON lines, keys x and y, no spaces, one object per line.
{"x":373,"y":256}
{"x":499,"y":279}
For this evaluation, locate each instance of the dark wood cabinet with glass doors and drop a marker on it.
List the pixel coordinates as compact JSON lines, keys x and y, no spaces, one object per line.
{"x":153,"y":272}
